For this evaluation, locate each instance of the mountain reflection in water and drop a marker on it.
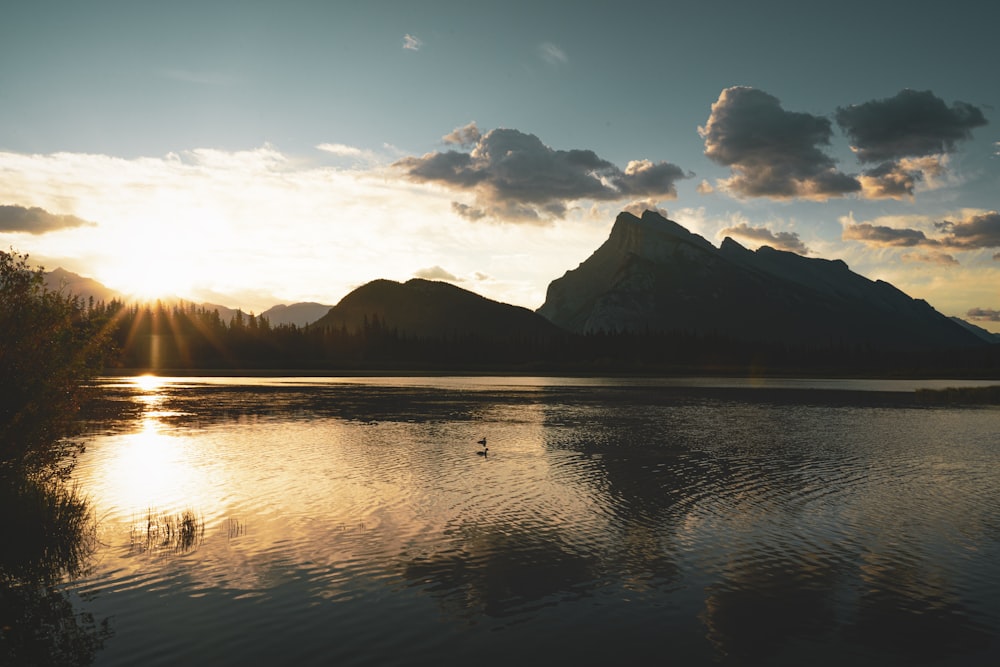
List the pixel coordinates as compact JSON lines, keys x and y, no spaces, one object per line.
{"x":350,"y":521}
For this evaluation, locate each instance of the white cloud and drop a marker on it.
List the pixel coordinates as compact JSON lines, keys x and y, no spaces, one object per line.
{"x":552,"y":54}
{"x":355,"y":154}
{"x":255,"y":223}
{"x":342,"y":150}
{"x":436,"y":273}
{"x":412,"y":43}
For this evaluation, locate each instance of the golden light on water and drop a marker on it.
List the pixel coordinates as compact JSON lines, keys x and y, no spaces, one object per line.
{"x":149,"y":382}
{"x":150,"y":469}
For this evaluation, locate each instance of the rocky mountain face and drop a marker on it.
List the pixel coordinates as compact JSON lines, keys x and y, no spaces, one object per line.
{"x":654,"y":275}
{"x":431,"y":309}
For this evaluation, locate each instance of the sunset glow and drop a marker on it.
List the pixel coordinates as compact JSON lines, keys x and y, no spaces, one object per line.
{"x":191,"y":175}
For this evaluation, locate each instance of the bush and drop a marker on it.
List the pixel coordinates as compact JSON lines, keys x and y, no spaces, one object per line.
{"x":49,"y":351}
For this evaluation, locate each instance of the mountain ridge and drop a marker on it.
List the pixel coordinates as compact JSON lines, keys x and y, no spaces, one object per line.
{"x":300,"y":313}
{"x":428,"y":308}
{"x":651,"y":274}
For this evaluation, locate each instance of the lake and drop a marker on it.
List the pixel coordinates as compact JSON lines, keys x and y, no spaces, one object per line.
{"x":354,"y":521}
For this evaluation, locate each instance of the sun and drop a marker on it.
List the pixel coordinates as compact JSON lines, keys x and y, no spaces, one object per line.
{"x":151,"y":275}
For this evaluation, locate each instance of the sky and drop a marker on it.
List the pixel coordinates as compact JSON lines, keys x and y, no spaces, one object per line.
{"x":254,"y":153}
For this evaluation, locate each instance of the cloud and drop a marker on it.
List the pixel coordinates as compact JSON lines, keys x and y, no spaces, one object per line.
{"x":974,"y":230}
{"x":341,"y":150}
{"x":929,"y":258}
{"x":705,"y":188}
{"x":211,"y":220}
{"x":772,"y":152}
{"x":411,"y":43}
{"x":984,"y":314}
{"x":364,"y":157}
{"x":910,"y":124}
{"x":36,"y":220}
{"x":789,"y":241}
{"x":883,"y":236}
{"x":981,"y":230}
{"x":910,"y":135}
{"x":552,"y":54}
{"x":436,"y":273}
{"x":514,"y":177}
{"x":466,"y":135}
{"x":996,"y":256}
{"x":637,"y":208}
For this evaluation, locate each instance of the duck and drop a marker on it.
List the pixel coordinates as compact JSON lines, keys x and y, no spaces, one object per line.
{"x":482,"y":442}
{"x":483,"y":453}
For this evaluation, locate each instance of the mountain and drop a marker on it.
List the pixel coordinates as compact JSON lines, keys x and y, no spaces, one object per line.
{"x":652,"y":274}
{"x":71,"y":283}
{"x":299,"y":314}
{"x":984,"y":334}
{"x":432,"y":309}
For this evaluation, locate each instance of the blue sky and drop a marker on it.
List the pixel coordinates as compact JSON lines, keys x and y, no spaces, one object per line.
{"x":255,"y":153}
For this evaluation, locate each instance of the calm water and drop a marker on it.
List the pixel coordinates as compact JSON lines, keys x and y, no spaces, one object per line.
{"x":351,"y":521}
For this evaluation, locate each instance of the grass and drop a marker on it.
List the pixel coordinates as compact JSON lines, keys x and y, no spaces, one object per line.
{"x":159,"y":531}
{"x":47,"y":530}
{"x":960,"y":395}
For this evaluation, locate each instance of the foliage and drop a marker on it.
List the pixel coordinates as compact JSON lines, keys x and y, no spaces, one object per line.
{"x":49,"y":348}
{"x":47,"y":532}
{"x":158,"y":336}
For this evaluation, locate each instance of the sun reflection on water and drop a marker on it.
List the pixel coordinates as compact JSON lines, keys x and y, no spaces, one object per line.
{"x":150,"y":468}
{"x":149,"y":382}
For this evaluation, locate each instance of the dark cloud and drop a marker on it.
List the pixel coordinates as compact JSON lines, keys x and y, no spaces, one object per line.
{"x":930,"y":258}
{"x":463,"y":136}
{"x":978,"y":231}
{"x":880,"y":235}
{"x":911,"y":124}
{"x":436,"y":273}
{"x":515,"y":177}
{"x":908,"y":135}
{"x":984,"y":314}
{"x":789,"y":241}
{"x":772,"y":152}
{"x":890,"y":180}
{"x":36,"y":220}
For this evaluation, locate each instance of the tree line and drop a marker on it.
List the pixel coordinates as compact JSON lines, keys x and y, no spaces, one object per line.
{"x":186,"y":336}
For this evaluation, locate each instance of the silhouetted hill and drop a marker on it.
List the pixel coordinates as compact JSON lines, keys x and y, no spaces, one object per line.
{"x":299,"y":314}
{"x":984,"y":334}
{"x":431,"y":309}
{"x":654,"y":275}
{"x":71,"y":283}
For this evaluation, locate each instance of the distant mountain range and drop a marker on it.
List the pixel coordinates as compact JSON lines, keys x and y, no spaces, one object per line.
{"x":651,"y":275}
{"x":654,"y":275}
{"x":299,"y":314}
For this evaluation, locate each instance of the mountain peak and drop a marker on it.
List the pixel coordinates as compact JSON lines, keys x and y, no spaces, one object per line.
{"x":636,"y":233}
{"x":652,"y":274}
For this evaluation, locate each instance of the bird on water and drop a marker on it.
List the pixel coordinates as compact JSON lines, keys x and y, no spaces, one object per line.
{"x":485,"y":448}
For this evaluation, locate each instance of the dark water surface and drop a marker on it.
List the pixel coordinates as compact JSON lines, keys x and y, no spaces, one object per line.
{"x":351,"y":521}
